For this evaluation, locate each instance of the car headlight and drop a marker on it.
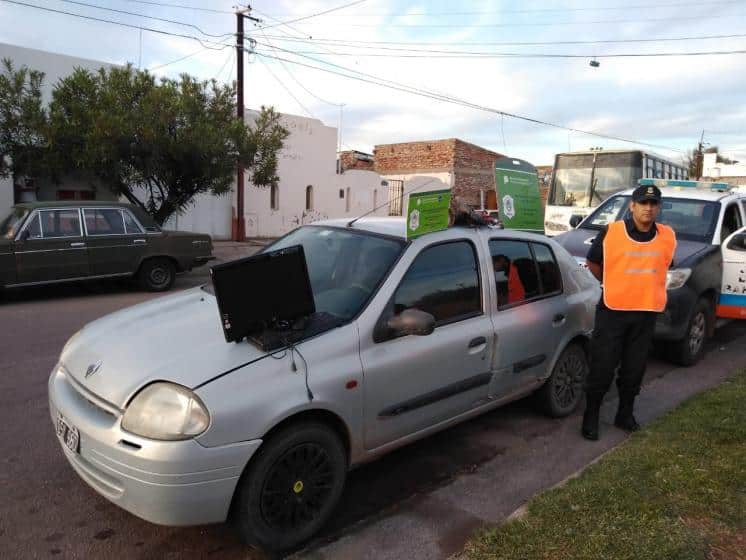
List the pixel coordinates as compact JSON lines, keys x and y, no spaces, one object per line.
{"x":166,"y":411}
{"x":677,"y":277}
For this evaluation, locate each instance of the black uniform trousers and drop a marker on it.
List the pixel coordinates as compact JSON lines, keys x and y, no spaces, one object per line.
{"x":619,"y":337}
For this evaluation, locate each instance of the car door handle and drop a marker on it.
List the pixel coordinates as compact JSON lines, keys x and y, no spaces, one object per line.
{"x":77,"y":244}
{"x":558,"y":319}
{"x":477,"y":342}
{"x":139,"y":241}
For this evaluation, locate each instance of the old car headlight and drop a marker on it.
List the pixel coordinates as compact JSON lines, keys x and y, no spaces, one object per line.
{"x":166,"y":411}
{"x":677,"y":277}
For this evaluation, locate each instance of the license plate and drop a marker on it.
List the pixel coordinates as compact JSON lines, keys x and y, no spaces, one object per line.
{"x":68,"y":434}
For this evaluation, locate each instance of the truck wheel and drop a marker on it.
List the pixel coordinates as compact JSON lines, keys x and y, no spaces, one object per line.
{"x":688,"y":350}
{"x":156,"y":275}
{"x":291,"y":487}
{"x":562,"y":392}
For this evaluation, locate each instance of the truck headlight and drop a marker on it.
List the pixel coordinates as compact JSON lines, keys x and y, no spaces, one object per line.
{"x":677,"y":277}
{"x":166,"y":411}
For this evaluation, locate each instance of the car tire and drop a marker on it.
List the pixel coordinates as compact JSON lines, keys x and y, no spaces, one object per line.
{"x":276,"y":506}
{"x":688,"y":351}
{"x":563,"y":391}
{"x":156,"y":275}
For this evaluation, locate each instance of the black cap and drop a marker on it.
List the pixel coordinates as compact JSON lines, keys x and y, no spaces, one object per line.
{"x":646,"y":192}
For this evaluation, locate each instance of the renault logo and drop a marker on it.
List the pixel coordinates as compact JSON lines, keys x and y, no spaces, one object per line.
{"x":93,"y":368}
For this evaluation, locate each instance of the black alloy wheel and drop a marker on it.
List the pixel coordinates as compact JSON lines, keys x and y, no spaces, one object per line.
{"x":562,"y":392}
{"x":689,"y":350}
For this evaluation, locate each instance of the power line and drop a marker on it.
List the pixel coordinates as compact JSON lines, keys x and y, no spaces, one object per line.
{"x":529,"y":10}
{"x":220,"y":72}
{"x":180,"y":6}
{"x":316,"y":14}
{"x":375,"y":44}
{"x":146,"y":17}
{"x":180,"y":59}
{"x":534,"y":24}
{"x":290,"y":93}
{"x":440,"y":97}
{"x":122,"y":24}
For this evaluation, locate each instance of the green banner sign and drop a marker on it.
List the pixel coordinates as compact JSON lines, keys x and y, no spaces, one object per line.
{"x":518,"y":195}
{"x":427,"y":212}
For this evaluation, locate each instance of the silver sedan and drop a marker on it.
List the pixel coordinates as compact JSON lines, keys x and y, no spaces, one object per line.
{"x":160,"y":415}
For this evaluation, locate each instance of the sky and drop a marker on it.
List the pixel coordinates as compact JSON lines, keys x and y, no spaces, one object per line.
{"x":666,"y":101}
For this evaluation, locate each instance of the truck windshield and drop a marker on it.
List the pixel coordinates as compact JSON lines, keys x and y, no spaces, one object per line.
{"x":345,"y":267}
{"x":9,"y":226}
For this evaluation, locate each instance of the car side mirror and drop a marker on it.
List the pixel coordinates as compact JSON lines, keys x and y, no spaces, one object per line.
{"x":411,"y":321}
{"x":575,"y":219}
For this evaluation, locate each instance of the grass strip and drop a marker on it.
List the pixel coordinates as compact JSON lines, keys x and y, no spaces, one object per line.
{"x":675,"y":490}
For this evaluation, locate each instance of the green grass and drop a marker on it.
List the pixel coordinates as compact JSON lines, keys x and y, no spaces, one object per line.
{"x":675,"y":490}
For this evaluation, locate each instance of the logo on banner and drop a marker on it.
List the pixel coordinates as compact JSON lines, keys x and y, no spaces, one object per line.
{"x":508,"y":206}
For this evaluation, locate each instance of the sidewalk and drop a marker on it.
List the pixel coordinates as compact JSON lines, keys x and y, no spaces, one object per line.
{"x":225,"y":251}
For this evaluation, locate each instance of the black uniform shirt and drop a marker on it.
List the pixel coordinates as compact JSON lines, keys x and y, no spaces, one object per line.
{"x":596,"y":252}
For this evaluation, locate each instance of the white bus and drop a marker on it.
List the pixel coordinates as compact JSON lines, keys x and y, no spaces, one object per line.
{"x":582,"y":180}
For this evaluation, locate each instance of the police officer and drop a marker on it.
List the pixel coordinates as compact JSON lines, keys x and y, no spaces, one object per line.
{"x":631,"y":259}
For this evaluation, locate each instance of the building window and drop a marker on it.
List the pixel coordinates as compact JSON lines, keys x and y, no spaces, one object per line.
{"x":309,"y":197}
{"x":341,"y":193}
{"x":274,"y":197}
{"x":347,"y":200}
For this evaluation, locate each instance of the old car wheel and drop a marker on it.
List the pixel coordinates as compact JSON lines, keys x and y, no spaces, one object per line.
{"x":562,"y":392}
{"x":291,"y":486}
{"x":157,"y":275}
{"x":688,"y":350}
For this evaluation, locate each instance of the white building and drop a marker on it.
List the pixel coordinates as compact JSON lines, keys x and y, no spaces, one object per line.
{"x":309,"y":188}
{"x":717,"y":171}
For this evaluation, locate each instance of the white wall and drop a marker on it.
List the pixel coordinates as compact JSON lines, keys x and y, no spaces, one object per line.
{"x":711,"y":168}
{"x":421,"y":182}
{"x":208,"y":214}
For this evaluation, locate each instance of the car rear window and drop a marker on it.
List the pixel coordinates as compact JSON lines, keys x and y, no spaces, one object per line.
{"x":523,"y":271}
{"x":104,"y":221}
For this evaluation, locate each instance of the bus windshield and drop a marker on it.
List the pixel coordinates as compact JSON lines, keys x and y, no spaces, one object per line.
{"x":572,"y":180}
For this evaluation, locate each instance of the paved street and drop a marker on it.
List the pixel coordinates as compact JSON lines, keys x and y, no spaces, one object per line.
{"x":422,"y":501}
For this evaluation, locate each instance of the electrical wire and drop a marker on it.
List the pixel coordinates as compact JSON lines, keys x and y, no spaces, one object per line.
{"x":203,"y":49}
{"x":180,"y":6}
{"x":220,"y":72}
{"x":77,"y":2}
{"x":348,"y":5}
{"x":122,"y":24}
{"x":448,"y":99}
{"x":290,"y":93}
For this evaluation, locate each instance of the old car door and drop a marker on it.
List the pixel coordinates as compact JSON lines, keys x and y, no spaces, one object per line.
{"x":116,"y":241}
{"x":415,"y":382}
{"x":531,"y":312}
{"x":51,"y":246}
{"x":732,"y":300}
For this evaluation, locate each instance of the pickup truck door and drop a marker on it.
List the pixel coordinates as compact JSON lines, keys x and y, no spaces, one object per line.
{"x":416,"y":382}
{"x":732,"y":300}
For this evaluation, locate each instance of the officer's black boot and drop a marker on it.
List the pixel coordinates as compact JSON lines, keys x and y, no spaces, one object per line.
{"x":624,"y":419}
{"x":590,"y":416}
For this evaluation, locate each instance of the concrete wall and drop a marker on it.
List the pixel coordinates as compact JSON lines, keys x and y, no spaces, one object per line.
{"x":717,"y":171}
{"x":208,"y":214}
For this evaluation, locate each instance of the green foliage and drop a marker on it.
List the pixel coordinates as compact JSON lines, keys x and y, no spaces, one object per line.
{"x":674,"y":490}
{"x":22,"y":121}
{"x":158,"y":143}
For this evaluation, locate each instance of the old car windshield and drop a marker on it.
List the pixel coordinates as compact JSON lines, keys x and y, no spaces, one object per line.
{"x":692,"y":220}
{"x":345,"y":266}
{"x":606,"y":213}
{"x":9,"y":226}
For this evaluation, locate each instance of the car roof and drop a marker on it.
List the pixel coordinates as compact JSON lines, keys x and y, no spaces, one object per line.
{"x":692,"y":193}
{"x":392,"y":226}
{"x":71,"y":203}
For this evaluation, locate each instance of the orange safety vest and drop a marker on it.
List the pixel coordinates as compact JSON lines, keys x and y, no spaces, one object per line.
{"x":516,"y":292}
{"x":634,"y":271}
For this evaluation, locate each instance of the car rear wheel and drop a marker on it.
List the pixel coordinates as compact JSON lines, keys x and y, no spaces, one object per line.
{"x":689,"y":350}
{"x":562,"y":392}
{"x":156,"y":275}
{"x":291,"y":487}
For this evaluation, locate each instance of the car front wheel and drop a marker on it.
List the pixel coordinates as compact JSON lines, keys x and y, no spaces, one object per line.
{"x":562,"y":392}
{"x":291,"y":486}
{"x":156,"y":275}
{"x":688,"y":350}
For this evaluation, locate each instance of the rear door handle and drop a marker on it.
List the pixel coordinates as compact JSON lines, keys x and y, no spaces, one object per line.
{"x":139,"y":241}
{"x":477,"y":342}
{"x":77,"y":244}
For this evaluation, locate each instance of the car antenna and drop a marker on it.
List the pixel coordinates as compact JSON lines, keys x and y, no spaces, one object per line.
{"x":353,"y":220}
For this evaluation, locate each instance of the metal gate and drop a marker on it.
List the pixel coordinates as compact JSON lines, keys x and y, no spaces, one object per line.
{"x":396,"y":197}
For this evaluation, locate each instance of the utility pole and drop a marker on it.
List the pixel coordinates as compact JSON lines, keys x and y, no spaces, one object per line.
{"x":240,"y":227}
{"x":700,"y":156}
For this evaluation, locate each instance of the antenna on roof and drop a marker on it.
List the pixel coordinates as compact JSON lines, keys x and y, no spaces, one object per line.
{"x":349,"y":224}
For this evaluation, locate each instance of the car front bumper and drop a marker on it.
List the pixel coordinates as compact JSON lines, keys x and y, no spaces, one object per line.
{"x":673,"y":322}
{"x":164,"y":482}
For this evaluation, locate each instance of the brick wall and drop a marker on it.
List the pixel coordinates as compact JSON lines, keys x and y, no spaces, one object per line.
{"x":355,"y":160}
{"x":414,"y":157}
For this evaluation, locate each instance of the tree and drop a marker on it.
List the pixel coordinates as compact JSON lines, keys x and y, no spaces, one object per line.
{"x":159,"y":144}
{"x":22,"y":121}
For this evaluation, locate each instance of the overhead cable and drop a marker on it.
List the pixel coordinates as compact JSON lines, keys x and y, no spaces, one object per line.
{"x":316,"y":14}
{"x":180,"y":6}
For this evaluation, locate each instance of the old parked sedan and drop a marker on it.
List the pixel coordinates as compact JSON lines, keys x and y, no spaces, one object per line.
{"x":50,"y":242}
{"x":418,"y":335}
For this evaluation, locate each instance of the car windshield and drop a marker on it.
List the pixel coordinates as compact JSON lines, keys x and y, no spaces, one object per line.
{"x":606,"y":213}
{"x":692,"y":220}
{"x":345,"y":266}
{"x":9,"y":226}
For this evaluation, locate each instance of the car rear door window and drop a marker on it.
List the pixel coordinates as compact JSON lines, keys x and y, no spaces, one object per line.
{"x":549,"y":272}
{"x":34,"y":227}
{"x":60,"y":223}
{"x":443,"y":280}
{"x":104,"y":221}
{"x":515,"y":271}
{"x":130,"y":224}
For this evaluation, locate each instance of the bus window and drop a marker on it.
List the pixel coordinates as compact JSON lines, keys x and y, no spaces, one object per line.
{"x":615,"y":172}
{"x":572,"y":180}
